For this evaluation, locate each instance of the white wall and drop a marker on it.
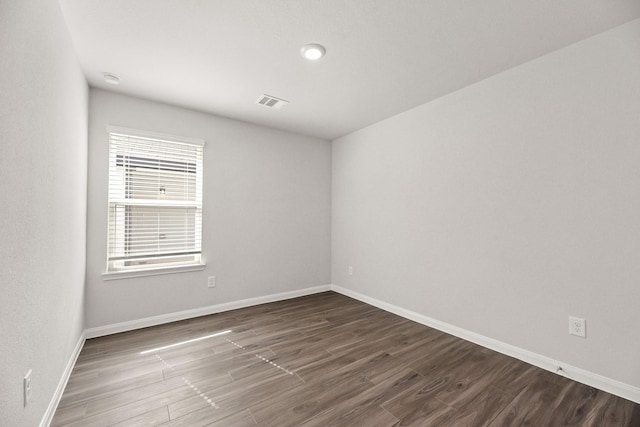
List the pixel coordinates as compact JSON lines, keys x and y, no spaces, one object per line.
{"x":43,"y":163}
{"x":507,"y":206}
{"x":266,"y":213}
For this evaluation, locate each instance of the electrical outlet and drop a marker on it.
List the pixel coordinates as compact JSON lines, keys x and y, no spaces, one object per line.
{"x":26,"y":387}
{"x":211,"y":282}
{"x":350,"y":270}
{"x":577,"y":327}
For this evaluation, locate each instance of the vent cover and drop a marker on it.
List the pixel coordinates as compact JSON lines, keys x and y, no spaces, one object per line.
{"x":271,"y":102}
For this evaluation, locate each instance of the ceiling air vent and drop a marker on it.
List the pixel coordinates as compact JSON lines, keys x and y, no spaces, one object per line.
{"x":271,"y":102}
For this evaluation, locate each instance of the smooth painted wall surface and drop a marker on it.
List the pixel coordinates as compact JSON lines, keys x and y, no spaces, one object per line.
{"x":43,"y":181}
{"x":507,"y":206}
{"x":266,"y":212}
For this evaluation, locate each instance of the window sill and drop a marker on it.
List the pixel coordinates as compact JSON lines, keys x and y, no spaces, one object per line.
{"x":116,"y":275}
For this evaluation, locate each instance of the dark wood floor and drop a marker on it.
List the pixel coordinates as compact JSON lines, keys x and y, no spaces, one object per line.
{"x":321,"y":360}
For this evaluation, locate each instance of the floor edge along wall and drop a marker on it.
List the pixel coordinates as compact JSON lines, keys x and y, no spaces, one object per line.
{"x":608,"y":385}
{"x":600,"y":382}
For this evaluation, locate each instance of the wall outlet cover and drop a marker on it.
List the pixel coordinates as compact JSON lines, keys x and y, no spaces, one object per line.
{"x":577,"y":327}
{"x":26,"y":386}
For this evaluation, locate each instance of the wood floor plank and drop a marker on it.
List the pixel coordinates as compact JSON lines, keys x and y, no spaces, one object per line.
{"x":101,"y":404}
{"x":214,"y":365}
{"x":373,"y":416}
{"x":365,"y":408}
{"x":471,"y":377}
{"x":239,"y":419}
{"x":298,"y":360}
{"x":152,"y":418}
{"x":203,"y":416}
{"x":480,"y":409}
{"x":325,"y":367}
{"x":80,"y":392}
{"x":67,"y":415}
{"x":418,"y":405}
{"x":300,"y":403}
{"x":319,"y":360}
{"x":611,"y":411}
{"x":103,"y":417}
{"x":532,"y":406}
{"x":239,"y":394}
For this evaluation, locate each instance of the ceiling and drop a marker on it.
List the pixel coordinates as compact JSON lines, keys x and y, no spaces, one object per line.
{"x":383,"y":56}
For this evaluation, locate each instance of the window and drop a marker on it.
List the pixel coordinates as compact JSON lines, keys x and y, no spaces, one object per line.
{"x":155,"y":201}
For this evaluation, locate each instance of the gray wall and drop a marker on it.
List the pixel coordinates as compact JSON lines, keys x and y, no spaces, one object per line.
{"x":43,"y":163}
{"x":507,"y":206}
{"x":266,"y":212}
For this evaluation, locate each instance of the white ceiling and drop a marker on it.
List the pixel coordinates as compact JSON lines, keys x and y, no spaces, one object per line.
{"x":383,"y":56}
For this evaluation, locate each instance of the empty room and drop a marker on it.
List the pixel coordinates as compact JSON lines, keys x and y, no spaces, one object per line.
{"x":320,"y":213}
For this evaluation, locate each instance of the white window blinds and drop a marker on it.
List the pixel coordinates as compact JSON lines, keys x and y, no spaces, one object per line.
{"x":155,"y":200}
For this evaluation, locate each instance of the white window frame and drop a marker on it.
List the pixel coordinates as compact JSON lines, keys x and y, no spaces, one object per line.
{"x":118,"y":265}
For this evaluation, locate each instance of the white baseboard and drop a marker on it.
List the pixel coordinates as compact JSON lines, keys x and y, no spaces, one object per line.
{"x":53,"y":404}
{"x":609,"y":385}
{"x":202,"y":311}
{"x":158,"y":320}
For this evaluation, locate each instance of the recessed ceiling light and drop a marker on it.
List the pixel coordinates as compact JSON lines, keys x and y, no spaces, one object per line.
{"x":112,"y":79}
{"x":313,"y":51}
